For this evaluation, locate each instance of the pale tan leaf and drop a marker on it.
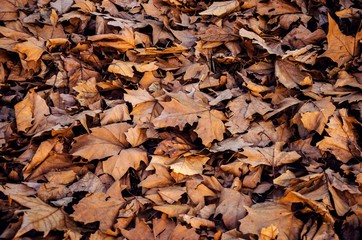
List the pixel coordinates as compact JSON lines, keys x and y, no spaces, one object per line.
{"x":122,"y":68}
{"x":88,"y":183}
{"x":136,"y":136}
{"x":197,"y":222}
{"x":172,"y":210}
{"x":16,"y":189}
{"x":62,"y":6}
{"x":41,"y":217}
{"x":221,"y":8}
{"x":272,"y":156}
{"x":87,"y":92}
{"x":269,"y":233}
{"x":115,"y":114}
{"x":189,"y":164}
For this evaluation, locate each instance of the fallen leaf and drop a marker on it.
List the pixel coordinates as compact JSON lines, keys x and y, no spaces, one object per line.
{"x":41,"y":217}
{"x":111,"y":137}
{"x":269,"y":233}
{"x":278,"y":214}
{"x":271,"y":156}
{"x":232,"y":207}
{"x":221,"y":8}
{"x":97,"y":207}
{"x":342,"y":140}
{"x":341,"y":48}
{"x":189,"y":164}
{"x":119,"y":164}
{"x":30,"y":112}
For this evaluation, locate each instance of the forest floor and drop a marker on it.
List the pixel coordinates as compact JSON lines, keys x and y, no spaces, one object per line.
{"x":177,"y":119}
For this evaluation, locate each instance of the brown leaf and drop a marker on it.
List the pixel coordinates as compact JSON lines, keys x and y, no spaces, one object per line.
{"x":289,"y":73}
{"x":342,"y":142}
{"x":118,"y":165}
{"x":278,"y":214}
{"x":111,"y":137}
{"x":232,"y":207}
{"x":141,"y":231}
{"x":341,"y":48}
{"x":145,"y":106}
{"x":87,"y":92}
{"x":221,"y":8}
{"x":97,"y":207}
{"x":271,"y":156}
{"x":189,"y":164}
{"x":32,"y":48}
{"x":172,"y":210}
{"x":30,"y":112}
{"x":41,"y":217}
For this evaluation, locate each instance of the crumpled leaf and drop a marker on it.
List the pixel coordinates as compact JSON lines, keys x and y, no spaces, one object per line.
{"x":342,"y":140}
{"x":41,"y":217}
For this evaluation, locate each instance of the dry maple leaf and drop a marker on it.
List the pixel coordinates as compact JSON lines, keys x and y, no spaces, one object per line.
{"x":119,"y":164}
{"x":30,"y":112}
{"x":173,"y":210}
{"x":271,"y":156}
{"x":221,"y":8}
{"x":242,"y":110}
{"x":183,"y":109}
{"x":97,"y":207}
{"x":341,"y":48}
{"x":102,"y":142}
{"x":145,"y":106}
{"x":189,"y":164}
{"x":231,"y":207}
{"x":342,"y":140}
{"x":289,"y":73}
{"x":313,"y":116}
{"x":87,"y":92}
{"x":141,"y":231}
{"x":262,"y":215}
{"x":41,"y":217}
{"x":32,"y":48}
{"x":269,"y":233}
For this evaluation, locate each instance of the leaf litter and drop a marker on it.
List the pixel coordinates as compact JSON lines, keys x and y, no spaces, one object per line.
{"x":172,"y":119}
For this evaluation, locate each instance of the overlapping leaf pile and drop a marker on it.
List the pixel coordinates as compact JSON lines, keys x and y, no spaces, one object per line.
{"x":173,"y":119}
